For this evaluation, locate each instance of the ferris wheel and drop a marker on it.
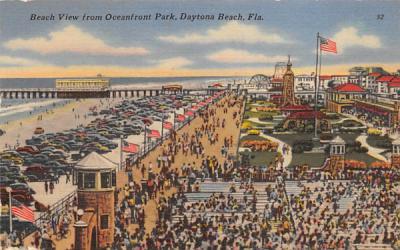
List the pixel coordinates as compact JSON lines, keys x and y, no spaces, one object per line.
{"x":259,"y":80}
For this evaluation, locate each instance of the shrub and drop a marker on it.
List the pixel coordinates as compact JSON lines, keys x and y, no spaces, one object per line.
{"x":354,"y":144}
{"x":351,"y":124}
{"x":309,"y":128}
{"x":297,"y":149}
{"x":265,"y":117}
{"x":325,"y":137}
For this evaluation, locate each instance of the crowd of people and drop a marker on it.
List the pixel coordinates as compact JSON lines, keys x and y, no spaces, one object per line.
{"x":368,"y":216}
{"x":157,"y":181}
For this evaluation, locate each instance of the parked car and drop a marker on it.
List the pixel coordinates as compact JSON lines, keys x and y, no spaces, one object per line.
{"x":20,"y":195}
{"x":5,"y":181}
{"x":22,"y":187}
{"x":28,"y":149}
{"x":37,"y":170}
{"x":38,"y":131}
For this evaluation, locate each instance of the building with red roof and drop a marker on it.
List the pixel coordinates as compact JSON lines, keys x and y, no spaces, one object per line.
{"x":350,"y":88}
{"x":343,"y":96}
{"x":388,"y":86}
{"x":394,"y":88}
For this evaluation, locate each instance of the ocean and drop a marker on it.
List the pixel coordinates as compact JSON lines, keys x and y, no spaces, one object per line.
{"x":14,"y":109}
{"x":114,"y":81}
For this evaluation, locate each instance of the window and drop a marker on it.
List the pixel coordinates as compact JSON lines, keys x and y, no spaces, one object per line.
{"x":104,"y":221}
{"x":105,"y":180}
{"x":90,"y":180}
{"x":114,"y":179}
{"x":80,"y":180}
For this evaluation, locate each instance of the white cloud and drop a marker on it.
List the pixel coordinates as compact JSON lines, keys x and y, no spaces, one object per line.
{"x":243,"y":56}
{"x":350,"y":37}
{"x":173,"y":63}
{"x":72,"y":39}
{"x":229,"y":32}
{"x":18,"y":61}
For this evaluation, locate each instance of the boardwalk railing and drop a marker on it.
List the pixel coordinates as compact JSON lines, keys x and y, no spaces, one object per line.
{"x":57,"y":208}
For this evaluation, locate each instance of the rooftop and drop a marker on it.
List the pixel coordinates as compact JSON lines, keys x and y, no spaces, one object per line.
{"x":349,"y":87}
{"x":337,"y":140}
{"x":385,"y":78}
{"x":94,"y":161}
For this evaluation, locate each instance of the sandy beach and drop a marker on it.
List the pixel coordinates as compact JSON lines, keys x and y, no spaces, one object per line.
{"x":62,"y":118}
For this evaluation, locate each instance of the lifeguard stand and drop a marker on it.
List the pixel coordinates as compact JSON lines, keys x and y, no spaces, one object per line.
{"x":396,"y":153}
{"x":336,"y":154}
{"x":95,"y":177}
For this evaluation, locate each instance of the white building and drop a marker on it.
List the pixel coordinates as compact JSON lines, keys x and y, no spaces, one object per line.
{"x":304,"y":83}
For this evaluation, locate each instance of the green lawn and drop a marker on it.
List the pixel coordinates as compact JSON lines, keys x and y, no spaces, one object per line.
{"x":260,"y":158}
{"x":317,"y":159}
{"x":312,"y":159}
{"x":379,"y":141}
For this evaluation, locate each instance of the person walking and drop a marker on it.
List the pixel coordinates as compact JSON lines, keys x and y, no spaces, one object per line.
{"x":51,"y":186}
{"x":46,"y":187}
{"x":68,"y":178}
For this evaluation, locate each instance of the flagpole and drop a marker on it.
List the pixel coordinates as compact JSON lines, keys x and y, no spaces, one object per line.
{"x":316,"y":89}
{"x":162,"y":128}
{"x":10,"y":208}
{"x":145,"y":142}
{"x":174,"y":118}
{"x":120,"y":153}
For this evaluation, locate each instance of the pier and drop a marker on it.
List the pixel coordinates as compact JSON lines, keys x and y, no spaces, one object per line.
{"x":42,"y":93}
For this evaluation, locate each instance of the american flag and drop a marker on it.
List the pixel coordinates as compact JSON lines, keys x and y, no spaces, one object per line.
{"x":129,"y":147}
{"x":327,"y":45}
{"x":21,"y":211}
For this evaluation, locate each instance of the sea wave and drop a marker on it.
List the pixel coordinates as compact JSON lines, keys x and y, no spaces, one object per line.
{"x":26,"y":107}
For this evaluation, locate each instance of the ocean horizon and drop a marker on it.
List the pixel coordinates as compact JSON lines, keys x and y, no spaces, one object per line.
{"x":6,"y":83}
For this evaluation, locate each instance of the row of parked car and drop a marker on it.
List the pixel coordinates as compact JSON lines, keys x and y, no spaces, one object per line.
{"x":49,"y":155}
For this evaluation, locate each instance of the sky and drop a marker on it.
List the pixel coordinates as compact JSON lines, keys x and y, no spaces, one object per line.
{"x":162,"y":46}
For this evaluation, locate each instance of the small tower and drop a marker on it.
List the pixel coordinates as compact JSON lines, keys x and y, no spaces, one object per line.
{"x":96,"y":179}
{"x":337,"y":151}
{"x":396,"y":153}
{"x":288,"y":85}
